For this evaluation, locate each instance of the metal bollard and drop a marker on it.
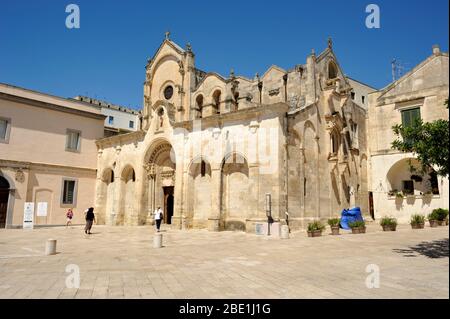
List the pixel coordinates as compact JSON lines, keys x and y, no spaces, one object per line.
{"x":157,"y":240}
{"x":284,"y":232}
{"x":50,"y":247}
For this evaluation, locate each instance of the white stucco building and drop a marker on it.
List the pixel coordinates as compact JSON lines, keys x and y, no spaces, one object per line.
{"x":394,"y":189}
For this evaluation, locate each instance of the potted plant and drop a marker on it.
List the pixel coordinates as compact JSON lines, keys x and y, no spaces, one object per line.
{"x":441,"y":215}
{"x":392,"y":193}
{"x":388,"y":223}
{"x":433,"y":219}
{"x":358,"y":227}
{"x":417,"y":221}
{"x":315,"y":229}
{"x":399,"y":195}
{"x":334,"y":225}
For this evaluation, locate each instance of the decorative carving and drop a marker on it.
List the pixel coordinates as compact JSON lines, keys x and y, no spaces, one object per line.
{"x":181,"y":66}
{"x":293,"y":102}
{"x":274,"y":92}
{"x":158,"y":150}
{"x":20,"y":176}
{"x":150,"y":168}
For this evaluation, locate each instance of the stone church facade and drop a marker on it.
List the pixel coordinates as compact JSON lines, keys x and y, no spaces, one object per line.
{"x":213,"y":150}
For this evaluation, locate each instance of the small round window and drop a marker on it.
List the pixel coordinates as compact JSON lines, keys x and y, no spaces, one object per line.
{"x":168,"y":92}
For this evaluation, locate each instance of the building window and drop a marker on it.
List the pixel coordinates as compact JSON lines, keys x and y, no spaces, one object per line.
{"x":199,"y":105}
{"x":131,"y":124}
{"x":353,"y":95}
{"x":363,"y":99}
{"x":203,"y":169}
{"x":216,"y":101}
{"x":168,"y":92}
{"x":73,"y":140}
{"x":5,"y":126}
{"x":332,"y":70}
{"x":410,"y":116}
{"x":69,"y":192}
{"x":434,"y":184}
{"x":111,"y":120}
{"x":408,"y":187}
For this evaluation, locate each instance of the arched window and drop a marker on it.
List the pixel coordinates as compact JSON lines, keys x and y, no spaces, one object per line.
{"x":112,"y":177}
{"x":332,"y":70}
{"x":216,"y":100}
{"x":334,"y":142}
{"x":203,"y":169}
{"x":199,"y":105}
{"x":236,"y":101}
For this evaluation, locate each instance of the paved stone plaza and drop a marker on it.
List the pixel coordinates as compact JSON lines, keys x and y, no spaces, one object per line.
{"x":119,"y":262}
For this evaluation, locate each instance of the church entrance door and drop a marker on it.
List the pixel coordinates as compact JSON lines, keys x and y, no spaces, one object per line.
{"x":168,"y":204}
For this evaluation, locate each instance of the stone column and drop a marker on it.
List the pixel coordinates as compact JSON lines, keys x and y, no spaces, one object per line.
{"x":214,"y":218}
{"x":100,"y":204}
{"x":117,"y":198}
{"x":178,"y":197}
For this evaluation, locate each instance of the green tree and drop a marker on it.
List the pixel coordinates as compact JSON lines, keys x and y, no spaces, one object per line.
{"x":428,"y":141}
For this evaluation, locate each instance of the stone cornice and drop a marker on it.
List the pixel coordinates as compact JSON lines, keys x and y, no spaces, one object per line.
{"x":50,"y":106}
{"x":250,"y":113}
{"x":120,"y":139}
{"x":31,"y":165}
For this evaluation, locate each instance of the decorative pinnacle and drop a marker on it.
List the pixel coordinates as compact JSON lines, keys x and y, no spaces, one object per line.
{"x":330,"y":43}
{"x":167,"y":35}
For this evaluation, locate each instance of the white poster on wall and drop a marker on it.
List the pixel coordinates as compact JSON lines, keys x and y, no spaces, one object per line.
{"x":41,"y":209}
{"x":28,"y":216}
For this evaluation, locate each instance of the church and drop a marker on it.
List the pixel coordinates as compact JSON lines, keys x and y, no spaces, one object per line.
{"x":225,"y":153}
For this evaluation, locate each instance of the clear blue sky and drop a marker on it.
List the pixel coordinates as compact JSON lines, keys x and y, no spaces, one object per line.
{"x":106,"y":57}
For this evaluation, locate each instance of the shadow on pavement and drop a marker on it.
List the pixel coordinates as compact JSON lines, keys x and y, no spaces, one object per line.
{"x":430,"y":249}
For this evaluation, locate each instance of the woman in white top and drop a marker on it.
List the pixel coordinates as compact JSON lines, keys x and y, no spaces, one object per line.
{"x":158,"y":218}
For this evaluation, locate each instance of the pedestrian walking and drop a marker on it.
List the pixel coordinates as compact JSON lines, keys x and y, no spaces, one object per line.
{"x":90,"y":219}
{"x":69,"y":216}
{"x":158,"y":218}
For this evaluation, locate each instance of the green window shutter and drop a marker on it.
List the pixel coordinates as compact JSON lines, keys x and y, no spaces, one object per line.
{"x":410,"y":116}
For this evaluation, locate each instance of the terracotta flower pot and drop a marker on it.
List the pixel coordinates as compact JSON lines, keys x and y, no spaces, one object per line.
{"x":389,"y":227}
{"x":359,"y":230}
{"x":434,"y":223}
{"x":418,"y":226}
{"x":334,"y":230}
{"x":441,"y":222}
{"x":314,"y":233}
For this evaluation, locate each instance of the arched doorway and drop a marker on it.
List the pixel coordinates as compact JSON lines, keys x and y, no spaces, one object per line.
{"x":168,"y":204}
{"x":159,"y":163}
{"x":4,"y":195}
{"x":235,"y":190}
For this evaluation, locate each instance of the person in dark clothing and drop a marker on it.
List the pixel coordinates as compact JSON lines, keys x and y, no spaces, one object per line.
{"x":90,"y":219}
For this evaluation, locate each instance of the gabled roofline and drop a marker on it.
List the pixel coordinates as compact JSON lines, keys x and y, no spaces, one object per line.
{"x":276,"y":67}
{"x":172,"y":44}
{"x":353,"y":79}
{"x":390,"y":86}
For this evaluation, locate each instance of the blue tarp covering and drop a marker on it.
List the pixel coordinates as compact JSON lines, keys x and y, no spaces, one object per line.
{"x":350,"y":215}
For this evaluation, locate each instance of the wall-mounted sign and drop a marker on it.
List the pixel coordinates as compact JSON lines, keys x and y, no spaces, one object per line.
{"x":41,"y":209}
{"x":28,"y":216}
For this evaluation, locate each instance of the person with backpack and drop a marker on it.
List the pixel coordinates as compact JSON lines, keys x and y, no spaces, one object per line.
{"x":90,"y":219}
